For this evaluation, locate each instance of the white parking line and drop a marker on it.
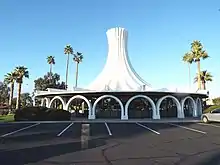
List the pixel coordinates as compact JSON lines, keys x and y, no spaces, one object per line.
{"x":190,"y":129}
{"x":65,"y":129}
{"x":213,"y":125}
{"x":10,"y":133}
{"x":109,"y":131}
{"x":158,"y":133}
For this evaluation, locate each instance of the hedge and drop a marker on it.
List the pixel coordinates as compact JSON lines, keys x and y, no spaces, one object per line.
{"x":41,"y":114}
{"x":211,"y":108}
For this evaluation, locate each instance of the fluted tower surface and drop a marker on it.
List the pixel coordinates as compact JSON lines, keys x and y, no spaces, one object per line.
{"x":118,"y":73}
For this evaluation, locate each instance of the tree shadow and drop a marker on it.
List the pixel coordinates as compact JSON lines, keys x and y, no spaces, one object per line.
{"x":212,"y":160}
{"x":36,"y":154}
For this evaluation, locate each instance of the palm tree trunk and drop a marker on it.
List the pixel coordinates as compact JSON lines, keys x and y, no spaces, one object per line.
{"x":67,"y":68}
{"x":11,"y":97}
{"x":50,"y":69}
{"x":199,"y":77}
{"x":77,"y":67}
{"x":189,"y":76}
{"x":203,"y":85}
{"x":18,"y":96}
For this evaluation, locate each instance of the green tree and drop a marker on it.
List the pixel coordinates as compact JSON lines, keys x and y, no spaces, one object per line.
{"x":188,"y":58}
{"x":10,"y":78}
{"x":204,"y":77}
{"x":51,"y":62}
{"x":78,"y":57}
{"x":216,"y":101}
{"x":45,"y":82}
{"x":26,"y":100}
{"x":21,"y":72}
{"x":4,"y":93}
{"x":67,"y":50}
{"x":198,"y":53}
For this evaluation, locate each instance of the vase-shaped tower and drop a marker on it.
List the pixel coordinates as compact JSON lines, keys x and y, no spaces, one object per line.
{"x":118,"y":73}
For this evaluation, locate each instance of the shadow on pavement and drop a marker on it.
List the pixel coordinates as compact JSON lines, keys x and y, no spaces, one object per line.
{"x":35,"y":154}
{"x":212,"y":160}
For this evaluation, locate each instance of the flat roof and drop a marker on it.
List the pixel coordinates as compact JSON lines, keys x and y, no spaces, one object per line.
{"x":62,"y":92}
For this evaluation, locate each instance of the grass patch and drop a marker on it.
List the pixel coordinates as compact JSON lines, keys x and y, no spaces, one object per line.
{"x":7,"y":118}
{"x":211,"y":108}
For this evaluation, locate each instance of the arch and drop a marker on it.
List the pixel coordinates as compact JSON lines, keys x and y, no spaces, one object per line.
{"x":47,"y":101}
{"x":179,"y":110}
{"x":193,"y":102}
{"x":87,"y":102}
{"x":198,"y":107}
{"x":123,"y":117}
{"x":59,"y":98}
{"x":155,"y":115}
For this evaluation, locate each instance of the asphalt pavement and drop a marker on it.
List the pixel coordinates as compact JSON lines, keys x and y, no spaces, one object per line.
{"x":105,"y":143}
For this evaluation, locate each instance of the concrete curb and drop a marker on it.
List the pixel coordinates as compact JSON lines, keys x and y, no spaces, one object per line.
{"x":111,"y":121}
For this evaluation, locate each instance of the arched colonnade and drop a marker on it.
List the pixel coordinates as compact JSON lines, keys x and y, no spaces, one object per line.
{"x":196,"y":104}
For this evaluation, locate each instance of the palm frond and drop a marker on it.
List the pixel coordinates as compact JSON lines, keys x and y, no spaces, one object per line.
{"x":51,"y":60}
{"x":21,"y":72}
{"x":188,"y":57}
{"x":68,"y":49}
{"x":197,"y":51}
{"x":196,"y":79}
{"x":204,"y":76}
{"x":78,"y":57}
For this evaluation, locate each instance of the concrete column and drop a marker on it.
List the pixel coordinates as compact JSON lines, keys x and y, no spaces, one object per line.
{"x":34,"y":103}
{"x":65,"y":102}
{"x":182,"y":108}
{"x":124,"y":114}
{"x":42,"y":102}
{"x":91,"y":115}
{"x":155,"y":114}
{"x":48,"y":102}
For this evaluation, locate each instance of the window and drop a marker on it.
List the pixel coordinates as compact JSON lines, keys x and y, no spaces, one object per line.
{"x":216,"y":111}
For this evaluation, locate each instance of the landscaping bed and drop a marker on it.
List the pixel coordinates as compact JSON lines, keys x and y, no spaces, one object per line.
{"x":41,"y":114}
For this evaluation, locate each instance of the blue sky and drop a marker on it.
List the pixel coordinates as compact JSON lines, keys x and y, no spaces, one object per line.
{"x":160,"y":32}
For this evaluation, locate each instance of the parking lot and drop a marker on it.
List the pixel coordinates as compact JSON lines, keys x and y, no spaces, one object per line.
{"x":109,"y":143}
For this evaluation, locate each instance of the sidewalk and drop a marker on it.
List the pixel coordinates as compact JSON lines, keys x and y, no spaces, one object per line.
{"x":167,"y":120}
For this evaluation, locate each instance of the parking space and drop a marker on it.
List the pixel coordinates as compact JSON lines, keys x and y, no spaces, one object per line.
{"x":125,"y":130}
{"x":8,"y":127}
{"x":108,"y":143}
{"x":70,"y":130}
{"x":212,"y":129}
{"x":33,"y":132}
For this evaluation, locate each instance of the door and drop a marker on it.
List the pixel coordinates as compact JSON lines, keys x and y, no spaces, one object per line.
{"x":215,"y":115}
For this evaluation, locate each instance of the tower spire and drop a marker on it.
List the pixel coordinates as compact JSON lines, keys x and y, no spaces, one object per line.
{"x":118,"y":73}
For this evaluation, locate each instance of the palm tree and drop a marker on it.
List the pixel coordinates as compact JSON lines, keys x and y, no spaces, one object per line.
{"x":78,"y":57}
{"x":204,"y":77}
{"x":51,"y":62}
{"x":198,"y":53}
{"x":10,"y":79}
{"x":188,"y":58}
{"x":20,"y":72}
{"x":4,"y":93}
{"x":67,"y":50}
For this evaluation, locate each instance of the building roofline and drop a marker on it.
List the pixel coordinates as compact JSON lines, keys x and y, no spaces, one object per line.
{"x":66,"y":92}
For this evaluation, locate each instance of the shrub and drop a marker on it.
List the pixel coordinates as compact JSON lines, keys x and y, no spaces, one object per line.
{"x":57,"y":114}
{"x":216,"y":101}
{"x":27,"y":113}
{"x":41,"y":113}
{"x":211,"y":108}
